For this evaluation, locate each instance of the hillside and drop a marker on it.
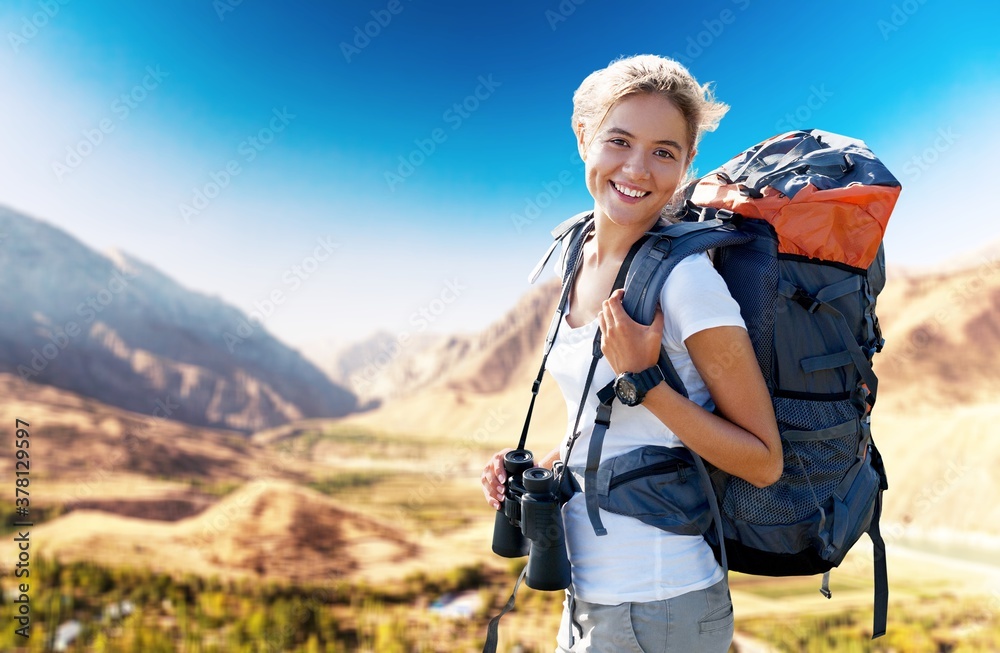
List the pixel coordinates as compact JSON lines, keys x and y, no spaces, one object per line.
{"x":117,"y":488}
{"x":117,"y":330}
{"x":942,"y":332}
{"x":267,"y":529}
{"x":382,"y":370}
{"x":78,"y":444}
{"x":479,"y":384}
{"x":380,"y":367}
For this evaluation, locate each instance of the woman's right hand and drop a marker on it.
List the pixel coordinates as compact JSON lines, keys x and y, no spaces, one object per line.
{"x":493,"y":479}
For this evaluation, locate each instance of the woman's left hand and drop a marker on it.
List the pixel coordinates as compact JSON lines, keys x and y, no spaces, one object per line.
{"x":628,"y":345}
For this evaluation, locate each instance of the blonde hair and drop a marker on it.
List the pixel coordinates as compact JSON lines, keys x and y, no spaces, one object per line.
{"x":646,"y":73}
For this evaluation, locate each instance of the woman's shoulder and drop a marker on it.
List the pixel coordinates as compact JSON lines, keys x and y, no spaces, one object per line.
{"x":694,"y":269}
{"x":692,"y":277}
{"x":695,"y":297}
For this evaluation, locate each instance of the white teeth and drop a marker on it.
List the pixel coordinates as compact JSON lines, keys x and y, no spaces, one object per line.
{"x":630,"y":192}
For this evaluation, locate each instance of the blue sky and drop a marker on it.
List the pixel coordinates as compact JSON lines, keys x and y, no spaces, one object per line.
{"x":411,"y":134}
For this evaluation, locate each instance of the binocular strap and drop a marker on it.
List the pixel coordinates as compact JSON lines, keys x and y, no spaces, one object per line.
{"x":492,"y":635}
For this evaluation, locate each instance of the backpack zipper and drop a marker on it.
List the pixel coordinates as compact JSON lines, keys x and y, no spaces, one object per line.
{"x":649,"y":470}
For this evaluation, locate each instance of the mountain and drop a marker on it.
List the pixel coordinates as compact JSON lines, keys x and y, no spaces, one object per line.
{"x":118,"y":330}
{"x":386,"y":367}
{"x":382,"y":366}
{"x":942,"y":332}
{"x":95,"y":451}
{"x":478,"y":385}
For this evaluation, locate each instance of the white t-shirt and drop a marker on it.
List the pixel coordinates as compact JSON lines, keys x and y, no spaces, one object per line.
{"x":636,"y":561}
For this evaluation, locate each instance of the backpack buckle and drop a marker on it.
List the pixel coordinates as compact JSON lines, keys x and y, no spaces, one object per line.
{"x":604,"y":415}
{"x":805,"y":300}
{"x":750,"y":192}
{"x":879,"y":340}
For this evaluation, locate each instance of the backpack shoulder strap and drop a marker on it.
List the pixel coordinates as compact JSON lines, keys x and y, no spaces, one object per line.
{"x":567,"y":231}
{"x":661,"y":254}
{"x":657,"y":259}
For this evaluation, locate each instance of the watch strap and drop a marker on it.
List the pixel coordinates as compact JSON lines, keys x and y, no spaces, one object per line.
{"x":648,"y":379}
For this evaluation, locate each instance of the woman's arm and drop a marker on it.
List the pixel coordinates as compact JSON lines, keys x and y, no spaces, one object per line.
{"x":745,"y":442}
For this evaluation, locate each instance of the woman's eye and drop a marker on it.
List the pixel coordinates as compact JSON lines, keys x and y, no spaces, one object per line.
{"x":618,"y":141}
{"x":665,"y":154}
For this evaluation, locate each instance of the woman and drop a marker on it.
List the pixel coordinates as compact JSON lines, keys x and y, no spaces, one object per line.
{"x":639,"y":588}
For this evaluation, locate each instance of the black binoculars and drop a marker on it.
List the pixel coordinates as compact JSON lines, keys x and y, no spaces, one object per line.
{"x":530,"y":522}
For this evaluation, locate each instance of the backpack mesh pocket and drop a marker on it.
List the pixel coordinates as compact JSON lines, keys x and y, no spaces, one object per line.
{"x":751,"y":272}
{"x":811,"y":468}
{"x":806,"y":415}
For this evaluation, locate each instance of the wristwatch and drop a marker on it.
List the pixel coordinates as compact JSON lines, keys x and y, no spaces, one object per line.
{"x":631,"y":387}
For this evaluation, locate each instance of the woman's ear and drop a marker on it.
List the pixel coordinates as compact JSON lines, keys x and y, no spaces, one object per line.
{"x":688,"y":159}
{"x":580,"y":144}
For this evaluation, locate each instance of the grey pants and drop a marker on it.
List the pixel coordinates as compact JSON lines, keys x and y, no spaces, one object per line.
{"x":700,"y":621}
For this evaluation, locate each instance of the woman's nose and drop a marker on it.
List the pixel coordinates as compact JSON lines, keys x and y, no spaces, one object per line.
{"x":635,"y":165}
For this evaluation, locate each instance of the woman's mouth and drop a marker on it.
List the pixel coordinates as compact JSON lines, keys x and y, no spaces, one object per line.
{"x":631,"y":193}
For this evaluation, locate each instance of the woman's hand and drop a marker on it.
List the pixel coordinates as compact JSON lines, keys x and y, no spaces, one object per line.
{"x":493,"y":479}
{"x":628,"y":345}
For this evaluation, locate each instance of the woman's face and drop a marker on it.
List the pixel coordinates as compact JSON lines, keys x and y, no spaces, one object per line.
{"x":637,"y":159}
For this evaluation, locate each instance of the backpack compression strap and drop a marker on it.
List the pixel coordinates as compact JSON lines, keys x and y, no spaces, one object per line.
{"x":878,"y":546}
{"x":851,"y":353}
{"x":881,"y":575}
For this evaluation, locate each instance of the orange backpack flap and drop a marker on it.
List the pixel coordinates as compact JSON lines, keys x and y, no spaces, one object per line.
{"x":833,"y":213}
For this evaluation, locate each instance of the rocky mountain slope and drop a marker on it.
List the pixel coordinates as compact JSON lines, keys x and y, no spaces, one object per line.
{"x":942,"y":332}
{"x":116,"y":329}
{"x":479,"y":384}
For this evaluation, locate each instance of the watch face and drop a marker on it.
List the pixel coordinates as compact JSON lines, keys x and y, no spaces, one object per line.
{"x":626,"y":391}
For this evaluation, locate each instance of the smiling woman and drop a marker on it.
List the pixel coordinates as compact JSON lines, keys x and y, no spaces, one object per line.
{"x":637,"y":124}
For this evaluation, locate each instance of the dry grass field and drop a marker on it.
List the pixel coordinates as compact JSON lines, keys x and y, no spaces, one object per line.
{"x":378,"y":509}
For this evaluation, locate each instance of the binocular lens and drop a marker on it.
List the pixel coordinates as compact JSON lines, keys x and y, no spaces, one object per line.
{"x":517,"y":461}
{"x":538,"y":480}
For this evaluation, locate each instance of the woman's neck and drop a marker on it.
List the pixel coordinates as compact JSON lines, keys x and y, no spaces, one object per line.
{"x":613,"y":241}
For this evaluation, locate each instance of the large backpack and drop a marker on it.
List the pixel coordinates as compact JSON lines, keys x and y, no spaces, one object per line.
{"x":796,"y":223}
